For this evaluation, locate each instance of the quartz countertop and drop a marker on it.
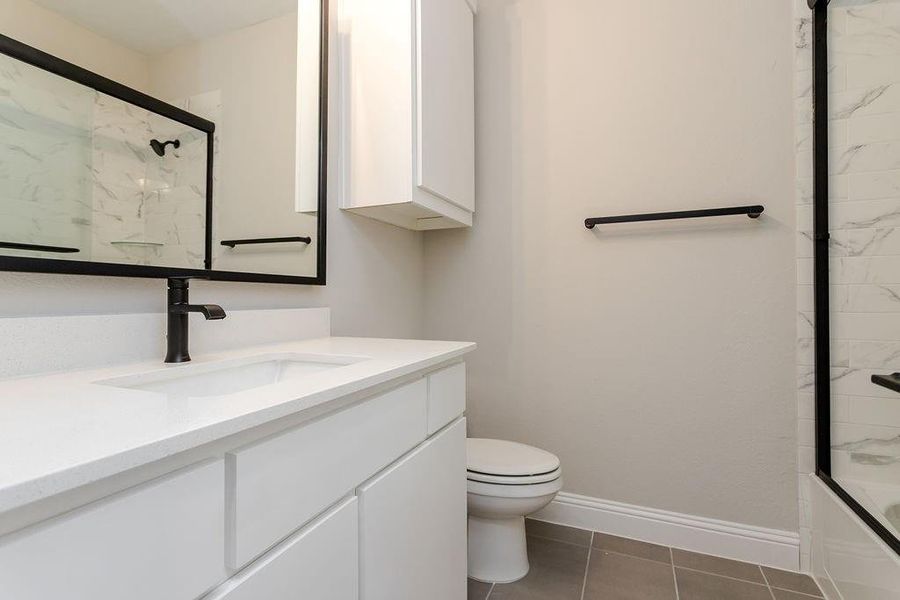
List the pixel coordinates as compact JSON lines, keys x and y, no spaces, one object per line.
{"x":59,"y":431}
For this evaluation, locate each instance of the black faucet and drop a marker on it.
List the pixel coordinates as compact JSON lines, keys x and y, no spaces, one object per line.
{"x":177,"y":313}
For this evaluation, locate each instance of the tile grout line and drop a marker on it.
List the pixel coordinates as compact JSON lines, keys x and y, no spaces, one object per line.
{"x":766,"y":579}
{"x":550,"y":539}
{"x":724,"y":576}
{"x":804,"y":594}
{"x":674,"y":575}
{"x":607,"y":550}
{"x":587,"y":566}
{"x":614,"y":553}
{"x":490,"y":591}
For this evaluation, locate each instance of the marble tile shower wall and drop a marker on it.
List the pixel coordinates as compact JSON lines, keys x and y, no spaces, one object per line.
{"x":45,"y":144}
{"x":864,"y":156}
{"x":77,"y":170}
{"x":147,"y":209}
{"x":209,"y":106}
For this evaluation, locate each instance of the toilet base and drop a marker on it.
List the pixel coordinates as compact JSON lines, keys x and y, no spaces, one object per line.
{"x":497,"y":549}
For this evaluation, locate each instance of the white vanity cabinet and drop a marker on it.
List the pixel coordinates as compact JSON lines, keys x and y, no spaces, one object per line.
{"x":413,"y":523}
{"x":276,"y":484}
{"x":407,"y":86}
{"x":163,"y":539}
{"x":320,"y":562}
{"x":363,"y":501}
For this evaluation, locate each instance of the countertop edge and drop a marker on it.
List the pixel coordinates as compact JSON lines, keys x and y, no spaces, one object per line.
{"x":46,"y":485}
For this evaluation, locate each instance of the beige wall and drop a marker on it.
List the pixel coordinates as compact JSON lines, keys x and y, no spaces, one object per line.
{"x":375,"y":271}
{"x":656,"y":360}
{"x":48,"y":31}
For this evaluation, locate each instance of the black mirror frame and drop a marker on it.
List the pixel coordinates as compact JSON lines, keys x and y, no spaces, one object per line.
{"x":57,"y":66}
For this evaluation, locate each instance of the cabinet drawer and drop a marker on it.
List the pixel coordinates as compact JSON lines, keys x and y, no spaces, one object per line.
{"x":277,"y":485}
{"x":321,"y":562}
{"x":446,"y":396}
{"x":164,"y":539}
{"x":413,"y":524}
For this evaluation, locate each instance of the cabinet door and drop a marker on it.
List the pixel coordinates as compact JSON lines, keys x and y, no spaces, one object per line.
{"x":319,"y":563}
{"x":413,"y":524}
{"x":445,"y":81}
{"x":163,"y":540}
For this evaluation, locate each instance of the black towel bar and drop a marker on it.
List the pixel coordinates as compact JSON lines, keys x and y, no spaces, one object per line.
{"x":751,"y":211}
{"x":280,"y":240}
{"x":38,"y":247}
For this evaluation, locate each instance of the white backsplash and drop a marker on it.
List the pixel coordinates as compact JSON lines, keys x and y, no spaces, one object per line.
{"x":35,"y":345}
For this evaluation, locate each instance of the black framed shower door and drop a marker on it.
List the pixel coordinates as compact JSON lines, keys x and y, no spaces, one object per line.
{"x":821,"y":276}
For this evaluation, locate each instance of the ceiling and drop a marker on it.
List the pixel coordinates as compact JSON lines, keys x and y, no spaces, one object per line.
{"x":156,"y":26}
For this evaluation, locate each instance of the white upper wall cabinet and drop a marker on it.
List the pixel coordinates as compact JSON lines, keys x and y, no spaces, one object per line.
{"x":446,"y":100}
{"x":408,"y":98}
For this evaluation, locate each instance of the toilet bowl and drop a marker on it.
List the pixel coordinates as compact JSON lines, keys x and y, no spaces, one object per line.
{"x":506,"y":482}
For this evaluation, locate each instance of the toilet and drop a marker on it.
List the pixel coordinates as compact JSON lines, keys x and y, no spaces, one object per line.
{"x":506,"y":482}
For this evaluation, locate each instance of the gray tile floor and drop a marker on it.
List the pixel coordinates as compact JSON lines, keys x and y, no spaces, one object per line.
{"x":573,"y":564}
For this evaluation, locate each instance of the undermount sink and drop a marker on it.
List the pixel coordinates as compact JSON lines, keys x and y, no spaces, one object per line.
{"x":230,"y":376}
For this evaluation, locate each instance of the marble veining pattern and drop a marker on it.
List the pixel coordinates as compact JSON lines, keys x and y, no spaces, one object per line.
{"x":148,"y":209}
{"x":45,"y":156}
{"x":77,"y":170}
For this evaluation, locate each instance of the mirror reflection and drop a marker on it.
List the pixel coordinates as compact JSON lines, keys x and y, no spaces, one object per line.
{"x":91,"y":176}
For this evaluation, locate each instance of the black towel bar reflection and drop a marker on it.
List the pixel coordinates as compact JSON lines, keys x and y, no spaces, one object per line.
{"x":278,"y":240}
{"x":38,"y":248}
{"x":751,"y":211}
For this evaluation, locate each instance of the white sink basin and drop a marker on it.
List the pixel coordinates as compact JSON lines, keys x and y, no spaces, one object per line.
{"x":231,"y":376}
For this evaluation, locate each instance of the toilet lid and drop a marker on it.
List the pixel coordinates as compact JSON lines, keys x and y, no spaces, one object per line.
{"x":508,"y":459}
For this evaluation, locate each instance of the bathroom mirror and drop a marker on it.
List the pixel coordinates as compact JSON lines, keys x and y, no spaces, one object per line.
{"x":163,"y":138}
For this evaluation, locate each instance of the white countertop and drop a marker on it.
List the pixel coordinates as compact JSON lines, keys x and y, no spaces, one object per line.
{"x":60,"y":431}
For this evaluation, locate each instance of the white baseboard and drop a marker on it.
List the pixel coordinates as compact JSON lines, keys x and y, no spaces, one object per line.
{"x":770,"y":547}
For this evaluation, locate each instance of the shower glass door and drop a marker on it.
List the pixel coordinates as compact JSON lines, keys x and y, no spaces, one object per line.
{"x":863,"y":264}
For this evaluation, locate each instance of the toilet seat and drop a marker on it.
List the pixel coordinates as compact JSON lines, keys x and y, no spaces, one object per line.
{"x":534,"y":490}
{"x":514,"y":479}
{"x":497,"y":467}
{"x":508,"y":461}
